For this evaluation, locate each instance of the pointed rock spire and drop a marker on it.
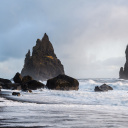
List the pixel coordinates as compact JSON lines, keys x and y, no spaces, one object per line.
{"x":126,"y":52}
{"x":43,"y":64}
{"x":123,"y":73}
{"x":45,"y":37}
{"x":28,"y":54}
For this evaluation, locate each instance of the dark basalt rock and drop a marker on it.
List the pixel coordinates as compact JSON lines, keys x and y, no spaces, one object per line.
{"x":32,"y":85}
{"x":26,"y":79}
{"x":5,"y":81}
{"x":103,"y":88}
{"x":43,"y":64}
{"x":25,"y":83}
{"x":16,"y":93}
{"x":63,"y":82}
{"x":97,"y":89}
{"x":0,"y":88}
{"x":2,"y":85}
{"x":30,"y":91}
{"x":17,"y":78}
{"x":12,"y":86}
{"x":123,"y":73}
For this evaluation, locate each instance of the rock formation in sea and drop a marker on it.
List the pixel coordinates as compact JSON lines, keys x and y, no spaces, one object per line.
{"x":63,"y":82}
{"x":123,"y":73}
{"x":103,"y":88}
{"x":43,"y":64}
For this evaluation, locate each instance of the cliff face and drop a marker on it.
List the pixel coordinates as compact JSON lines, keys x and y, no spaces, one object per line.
{"x":43,"y":64}
{"x":123,"y":74}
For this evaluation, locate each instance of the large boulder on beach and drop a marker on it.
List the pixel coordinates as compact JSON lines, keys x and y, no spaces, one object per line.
{"x":5,"y":81}
{"x":123,"y":73}
{"x":0,"y":88}
{"x":103,"y":88}
{"x":2,"y":85}
{"x":13,"y":86}
{"x":43,"y":63}
{"x":32,"y":85}
{"x":63,"y":82}
{"x":16,"y":94}
{"x":17,"y":78}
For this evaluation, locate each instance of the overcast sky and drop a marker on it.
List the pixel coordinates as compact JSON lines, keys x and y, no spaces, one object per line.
{"x":88,"y":36}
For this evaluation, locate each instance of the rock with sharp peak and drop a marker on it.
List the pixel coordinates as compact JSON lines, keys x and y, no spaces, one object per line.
{"x":43,"y":64}
{"x":17,"y":78}
{"x":123,"y":73}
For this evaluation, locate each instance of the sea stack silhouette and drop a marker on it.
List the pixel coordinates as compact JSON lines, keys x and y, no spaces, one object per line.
{"x":43,"y":64}
{"x":123,"y":74}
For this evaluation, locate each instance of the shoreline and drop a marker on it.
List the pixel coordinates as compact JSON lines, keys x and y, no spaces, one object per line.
{"x":18,"y":99}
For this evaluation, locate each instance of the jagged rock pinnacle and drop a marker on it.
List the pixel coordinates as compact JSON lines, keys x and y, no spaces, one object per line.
{"x":45,"y":37}
{"x":43,"y":64}
{"x":123,"y":73}
{"x":126,"y":52}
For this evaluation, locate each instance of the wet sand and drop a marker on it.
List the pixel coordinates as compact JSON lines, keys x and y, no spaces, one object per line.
{"x":23,"y":114}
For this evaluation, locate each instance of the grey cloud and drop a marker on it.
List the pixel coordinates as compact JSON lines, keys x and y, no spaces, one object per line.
{"x":108,"y":68}
{"x":117,"y":61}
{"x":83,"y":33}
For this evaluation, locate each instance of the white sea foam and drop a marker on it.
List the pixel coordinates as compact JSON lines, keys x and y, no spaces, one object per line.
{"x":70,"y":108}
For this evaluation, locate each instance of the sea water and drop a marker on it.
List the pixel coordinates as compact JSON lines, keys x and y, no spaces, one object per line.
{"x":84,"y":108}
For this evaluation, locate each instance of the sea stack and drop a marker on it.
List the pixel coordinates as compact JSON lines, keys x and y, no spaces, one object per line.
{"x":123,"y":74}
{"x":43,"y":64}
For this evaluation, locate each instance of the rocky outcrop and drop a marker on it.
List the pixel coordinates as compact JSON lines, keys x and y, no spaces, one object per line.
{"x":13,"y":86}
{"x":17,"y":78}
{"x":63,"y":82}
{"x":43,"y":64}
{"x":26,"y":79}
{"x":5,"y":81}
{"x":32,"y":85}
{"x":25,"y":83}
{"x":123,"y":73}
{"x":103,"y":88}
{"x":0,"y":88}
{"x":16,"y":94}
{"x":2,"y":85}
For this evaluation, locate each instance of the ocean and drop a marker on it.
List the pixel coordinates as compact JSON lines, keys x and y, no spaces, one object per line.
{"x":84,"y":108}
